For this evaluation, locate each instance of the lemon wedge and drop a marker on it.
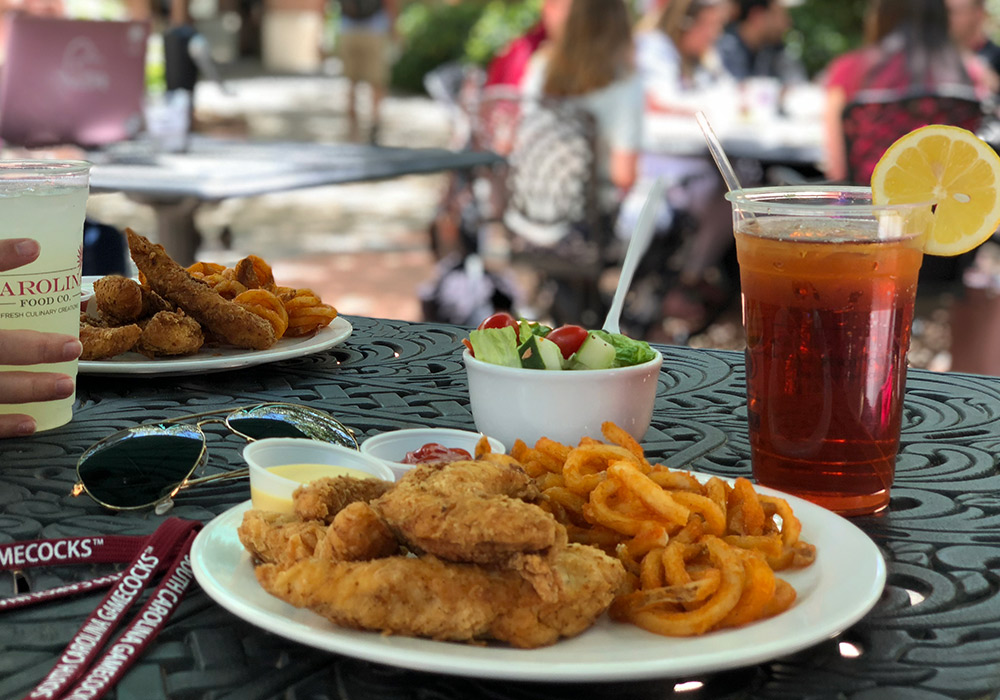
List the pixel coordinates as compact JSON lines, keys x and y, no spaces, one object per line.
{"x":953,"y":168}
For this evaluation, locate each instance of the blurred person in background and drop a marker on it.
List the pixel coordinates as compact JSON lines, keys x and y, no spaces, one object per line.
{"x":968,"y":20}
{"x":908,"y":47}
{"x":509,"y":67}
{"x":591,"y":65}
{"x":682,"y":74}
{"x":367,"y":30}
{"x":753,"y":45}
{"x":25,"y":348}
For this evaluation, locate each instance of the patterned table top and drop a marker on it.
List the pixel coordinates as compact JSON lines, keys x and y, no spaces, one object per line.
{"x":933,"y":634}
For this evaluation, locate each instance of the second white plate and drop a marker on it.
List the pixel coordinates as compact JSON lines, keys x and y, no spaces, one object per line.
{"x":217,"y":359}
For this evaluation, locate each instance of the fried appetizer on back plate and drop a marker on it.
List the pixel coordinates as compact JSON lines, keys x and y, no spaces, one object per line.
{"x":119,"y":299}
{"x":100,"y":343}
{"x":170,"y":333}
{"x":231,"y":322}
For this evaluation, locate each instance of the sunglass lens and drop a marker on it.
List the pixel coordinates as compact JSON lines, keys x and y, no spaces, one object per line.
{"x":289,"y":420}
{"x":142,"y":465}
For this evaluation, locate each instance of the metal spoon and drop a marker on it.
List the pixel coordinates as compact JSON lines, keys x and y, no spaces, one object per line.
{"x":637,"y":245}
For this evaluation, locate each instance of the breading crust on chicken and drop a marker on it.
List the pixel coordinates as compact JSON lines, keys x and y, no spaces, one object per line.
{"x":223,"y":318}
{"x":496,"y":580}
{"x":428,"y":597}
{"x":100,"y":342}
{"x":323,"y":498}
{"x":469,"y":511}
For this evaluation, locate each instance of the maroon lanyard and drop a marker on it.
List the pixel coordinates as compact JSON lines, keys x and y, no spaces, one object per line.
{"x":79,"y":673}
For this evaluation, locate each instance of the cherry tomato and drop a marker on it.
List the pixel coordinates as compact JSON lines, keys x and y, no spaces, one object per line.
{"x":568,"y":338}
{"x":435,"y":452}
{"x":501,"y":319}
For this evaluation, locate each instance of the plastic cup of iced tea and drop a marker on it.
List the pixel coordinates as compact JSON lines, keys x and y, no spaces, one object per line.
{"x":828,"y":283}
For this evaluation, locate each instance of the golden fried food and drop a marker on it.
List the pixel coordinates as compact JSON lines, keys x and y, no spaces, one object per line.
{"x":254,"y":273}
{"x":700,"y":556}
{"x":306,"y":312}
{"x":427,"y":597}
{"x":153,"y":303}
{"x":231,"y":322}
{"x":279,"y":537}
{"x":100,"y":343}
{"x":202,"y":269}
{"x":267,"y":306}
{"x":119,"y":299}
{"x":224,"y":284}
{"x":323,"y":498}
{"x":357,"y":533}
{"x":469,"y":511}
{"x":170,"y":333}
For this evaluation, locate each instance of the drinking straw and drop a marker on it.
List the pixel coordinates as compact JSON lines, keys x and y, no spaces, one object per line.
{"x":718,"y":155}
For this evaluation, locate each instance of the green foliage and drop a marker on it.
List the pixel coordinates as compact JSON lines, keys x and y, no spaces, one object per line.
{"x":432,"y":34}
{"x":500,"y":23}
{"x":435,"y":32}
{"x":825,"y":29}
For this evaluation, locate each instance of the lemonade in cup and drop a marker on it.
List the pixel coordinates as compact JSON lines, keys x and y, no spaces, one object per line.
{"x":47,"y":201}
{"x":828,"y":279}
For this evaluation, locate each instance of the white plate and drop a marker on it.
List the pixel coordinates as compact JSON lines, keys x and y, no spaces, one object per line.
{"x":841,"y":586}
{"x":216,"y":359}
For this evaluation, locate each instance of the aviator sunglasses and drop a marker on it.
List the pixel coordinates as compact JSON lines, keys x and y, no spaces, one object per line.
{"x":145,"y":466}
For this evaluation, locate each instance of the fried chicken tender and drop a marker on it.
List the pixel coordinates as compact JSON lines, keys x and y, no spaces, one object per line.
{"x":279,"y":537}
{"x":100,"y":342}
{"x":323,"y":498}
{"x":231,"y":322}
{"x":358,"y":533}
{"x":428,"y":597}
{"x":119,"y":299}
{"x":469,"y":511}
{"x":170,"y":333}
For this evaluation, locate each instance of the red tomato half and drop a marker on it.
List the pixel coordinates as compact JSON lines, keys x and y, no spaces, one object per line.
{"x":501,"y":319}
{"x":435,"y":452}
{"x":568,"y":338}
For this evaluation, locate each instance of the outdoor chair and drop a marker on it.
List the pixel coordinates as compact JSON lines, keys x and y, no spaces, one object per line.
{"x":874,"y":119}
{"x":550,"y":205}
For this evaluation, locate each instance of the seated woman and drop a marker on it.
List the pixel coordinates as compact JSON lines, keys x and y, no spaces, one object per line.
{"x":590,"y":65}
{"x":682,"y":74}
{"x":587,"y":71}
{"x":909,"y":49}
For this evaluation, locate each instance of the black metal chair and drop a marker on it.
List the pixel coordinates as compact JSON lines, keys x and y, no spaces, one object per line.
{"x":874,"y":119}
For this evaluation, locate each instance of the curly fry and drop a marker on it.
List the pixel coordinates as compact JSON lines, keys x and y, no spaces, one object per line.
{"x":267,"y":306}
{"x":584,"y":467}
{"x":703,"y":618}
{"x":254,"y":273}
{"x":306,"y":313}
{"x":664,"y":505}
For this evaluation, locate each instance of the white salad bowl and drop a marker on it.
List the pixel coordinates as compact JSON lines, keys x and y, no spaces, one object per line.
{"x":564,"y":405}
{"x":391,"y":447}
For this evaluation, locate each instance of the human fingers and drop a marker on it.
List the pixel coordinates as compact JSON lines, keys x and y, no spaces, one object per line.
{"x":25,"y":347}
{"x":15,"y":252}
{"x":16,"y":424}
{"x":29,"y":387}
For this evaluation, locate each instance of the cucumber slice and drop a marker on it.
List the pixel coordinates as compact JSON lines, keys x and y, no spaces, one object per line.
{"x":538,"y":353}
{"x":594,"y":353}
